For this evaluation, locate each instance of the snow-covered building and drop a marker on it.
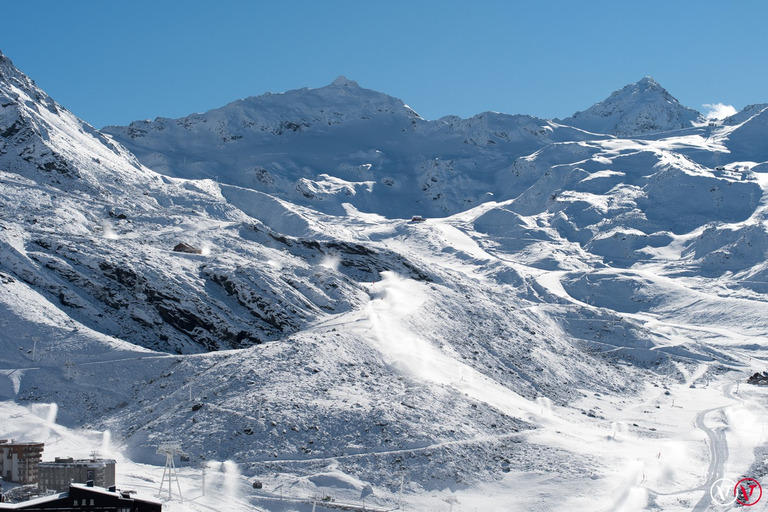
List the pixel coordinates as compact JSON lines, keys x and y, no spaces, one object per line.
{"x":57,"y":475}
{"x":19,"y":461}
{"x":88,"y":497}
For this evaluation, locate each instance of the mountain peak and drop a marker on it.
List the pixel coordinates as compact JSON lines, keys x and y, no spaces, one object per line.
{"x":648,"y":82}
{"x":647,"y":86}
{"x":342,"y":81}
{"x":639,"y":108}
{"x":8,"y":70}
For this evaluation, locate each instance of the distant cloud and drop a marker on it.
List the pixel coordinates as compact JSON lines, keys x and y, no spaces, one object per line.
{"x":719,"y":110}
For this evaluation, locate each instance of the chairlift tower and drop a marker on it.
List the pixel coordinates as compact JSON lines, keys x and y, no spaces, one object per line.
{"x":69,"y":365}
{"x":170,"y":450}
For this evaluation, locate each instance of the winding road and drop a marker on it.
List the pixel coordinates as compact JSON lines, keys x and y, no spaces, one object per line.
{"x":717,"y":442}
{"x":718,"y":454}
{"x":718,"y":450}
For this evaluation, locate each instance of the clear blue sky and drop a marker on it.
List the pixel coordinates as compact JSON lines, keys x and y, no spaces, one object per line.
{"x":111,"y":62}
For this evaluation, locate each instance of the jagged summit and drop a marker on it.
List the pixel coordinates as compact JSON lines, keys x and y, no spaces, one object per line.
{"x":11,"y":76}
{"x":342,"y":81}
{"x":43,"y":141}
{"x":641,"y":108}
{"x":647,"y":82}
{"x":5,"y":64}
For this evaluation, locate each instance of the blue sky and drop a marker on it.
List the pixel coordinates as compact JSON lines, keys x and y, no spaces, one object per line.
{"x":111,"y":62}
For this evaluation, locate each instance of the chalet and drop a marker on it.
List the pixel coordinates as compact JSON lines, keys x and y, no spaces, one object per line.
{"x":759,"y":379}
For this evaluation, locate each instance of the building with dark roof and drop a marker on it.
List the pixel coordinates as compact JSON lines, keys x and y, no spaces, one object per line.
{"x":82,"y":497}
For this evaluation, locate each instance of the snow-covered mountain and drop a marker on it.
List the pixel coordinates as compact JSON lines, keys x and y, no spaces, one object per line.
{"x":559,"y":316}
{"x":593,"y":186}
{"x":343,"y":144}
{"x":637,"y":109}
{"x":96,"y":235}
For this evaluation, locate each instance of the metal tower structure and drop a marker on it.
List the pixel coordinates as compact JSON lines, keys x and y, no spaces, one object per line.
{"x":170,"y":450}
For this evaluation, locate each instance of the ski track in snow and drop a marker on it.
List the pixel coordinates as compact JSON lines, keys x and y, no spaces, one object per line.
{"x":399,"y":298}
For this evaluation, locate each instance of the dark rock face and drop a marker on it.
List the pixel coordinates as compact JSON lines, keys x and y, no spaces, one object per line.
{"x":759,"y":379}
{"x":186,"y":248}
{"x":154,"y":298}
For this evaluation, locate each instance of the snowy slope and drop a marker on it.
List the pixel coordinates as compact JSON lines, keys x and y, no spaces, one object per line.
{"x":575,"y":309}
{"x":93,"y":230}
{"x":746,"y":140}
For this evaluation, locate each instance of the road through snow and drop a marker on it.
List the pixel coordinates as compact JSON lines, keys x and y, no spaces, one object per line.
{"x":718,"y":454}
{"x":716,"y":438}
{"x":718,"y":451}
